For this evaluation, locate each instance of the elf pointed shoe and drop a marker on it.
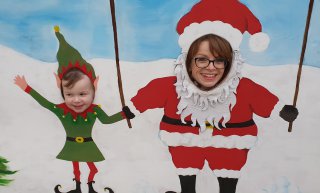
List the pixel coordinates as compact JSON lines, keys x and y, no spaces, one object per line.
{"x":91,"y":190}
{"x":77,"y":190}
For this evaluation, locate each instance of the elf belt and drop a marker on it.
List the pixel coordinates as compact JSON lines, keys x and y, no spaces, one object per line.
{"x":79,"y":139}
{"x":173,"y":121}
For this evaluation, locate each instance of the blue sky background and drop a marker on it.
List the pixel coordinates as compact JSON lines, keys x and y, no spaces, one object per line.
{"x":146,"y":29}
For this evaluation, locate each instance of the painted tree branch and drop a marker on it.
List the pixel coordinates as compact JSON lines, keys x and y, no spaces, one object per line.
{"x":304,"y":45}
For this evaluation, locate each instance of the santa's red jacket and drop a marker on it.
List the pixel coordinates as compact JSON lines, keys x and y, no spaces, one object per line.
{"x":239,"y":135}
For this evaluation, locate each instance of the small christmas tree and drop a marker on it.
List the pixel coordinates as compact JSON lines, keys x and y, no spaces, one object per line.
{"x":4,"y":171}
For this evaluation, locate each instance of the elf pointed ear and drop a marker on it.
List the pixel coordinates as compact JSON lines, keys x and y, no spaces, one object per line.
{"x":95,"y":83}
{"x":58,"y":80}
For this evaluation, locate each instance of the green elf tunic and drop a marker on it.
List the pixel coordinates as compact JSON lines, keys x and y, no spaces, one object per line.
{"x":79,"y":145}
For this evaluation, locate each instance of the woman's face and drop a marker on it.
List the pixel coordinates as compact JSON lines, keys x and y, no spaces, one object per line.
{"x":80,"y":96}
{"x":207,"y":77}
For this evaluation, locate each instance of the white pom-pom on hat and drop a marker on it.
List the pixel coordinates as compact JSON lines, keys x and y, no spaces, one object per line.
{"x":259,"y":42}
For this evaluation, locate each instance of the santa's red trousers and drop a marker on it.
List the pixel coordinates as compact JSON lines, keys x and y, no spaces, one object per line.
{"x":218,"y":158}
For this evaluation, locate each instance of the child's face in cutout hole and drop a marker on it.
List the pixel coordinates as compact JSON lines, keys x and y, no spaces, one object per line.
{"x":80,"y":96}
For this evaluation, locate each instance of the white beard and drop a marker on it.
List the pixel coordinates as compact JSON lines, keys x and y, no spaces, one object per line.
{"x":207,"y":106}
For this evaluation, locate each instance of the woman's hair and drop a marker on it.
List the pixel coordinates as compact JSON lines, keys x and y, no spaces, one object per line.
{"x":218,"y":46}
{"x":72,"y":76}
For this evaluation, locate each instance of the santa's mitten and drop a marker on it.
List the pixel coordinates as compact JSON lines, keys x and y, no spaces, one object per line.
{"x":289,"y":113}
{"x":127,"y":112}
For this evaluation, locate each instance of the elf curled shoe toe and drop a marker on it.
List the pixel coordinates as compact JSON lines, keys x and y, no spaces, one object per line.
{"x":91,"y":190}
{"x":77,"y":190}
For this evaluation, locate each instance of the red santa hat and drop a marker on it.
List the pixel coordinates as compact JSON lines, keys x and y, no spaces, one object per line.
{"x":226,"y":18}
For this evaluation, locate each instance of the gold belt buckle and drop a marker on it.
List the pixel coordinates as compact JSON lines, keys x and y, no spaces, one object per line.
{"x":79,"y":139}
{"x":209,"y":126}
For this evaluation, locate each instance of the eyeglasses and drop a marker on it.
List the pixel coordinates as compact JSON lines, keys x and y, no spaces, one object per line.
{"x":219,"y":63}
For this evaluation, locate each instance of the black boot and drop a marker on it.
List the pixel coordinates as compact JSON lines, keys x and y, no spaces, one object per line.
{"x":91,"y":190}
{"x":188,"y":184}
{"x":77,"y":190}
{"x":227,"y":185}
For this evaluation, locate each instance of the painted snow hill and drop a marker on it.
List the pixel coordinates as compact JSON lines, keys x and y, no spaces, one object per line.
{"x":136,"y":160}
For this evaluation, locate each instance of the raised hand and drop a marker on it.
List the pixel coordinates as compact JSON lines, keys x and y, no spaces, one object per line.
{"x":21,"y":82}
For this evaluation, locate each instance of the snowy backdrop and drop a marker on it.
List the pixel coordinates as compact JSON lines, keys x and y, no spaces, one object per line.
{"x":136,"y":160}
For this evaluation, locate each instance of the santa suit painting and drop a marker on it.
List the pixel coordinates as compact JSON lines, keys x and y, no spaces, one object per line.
{"x":191,"y":144}
{"x":230,"y":144}
{"x":214,"y":125}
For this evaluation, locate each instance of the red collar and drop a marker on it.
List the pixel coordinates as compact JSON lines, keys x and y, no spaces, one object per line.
{"x":74,"y":114}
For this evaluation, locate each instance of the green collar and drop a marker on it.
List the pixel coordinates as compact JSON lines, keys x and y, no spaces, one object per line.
{"x":74,"y":114}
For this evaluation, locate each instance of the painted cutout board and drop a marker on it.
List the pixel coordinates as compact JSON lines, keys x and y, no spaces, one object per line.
{"x":153,"y":40}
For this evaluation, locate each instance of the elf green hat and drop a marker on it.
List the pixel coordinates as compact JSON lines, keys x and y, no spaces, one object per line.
{"x":68,"y":57}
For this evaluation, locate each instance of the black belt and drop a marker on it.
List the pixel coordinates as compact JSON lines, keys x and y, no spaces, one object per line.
{"x":79,"y":139}
{"x":172,"y":121}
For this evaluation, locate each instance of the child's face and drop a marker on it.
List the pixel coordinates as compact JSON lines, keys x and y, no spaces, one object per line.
{"x":80,"y":96}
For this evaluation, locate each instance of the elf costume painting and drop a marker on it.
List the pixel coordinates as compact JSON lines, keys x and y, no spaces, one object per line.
{"x":208,"y":105}
{"x":77,"y":82}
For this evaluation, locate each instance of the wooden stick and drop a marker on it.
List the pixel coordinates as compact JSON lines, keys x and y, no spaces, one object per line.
{"x":304,"y":45}
{"x":115,"y":37}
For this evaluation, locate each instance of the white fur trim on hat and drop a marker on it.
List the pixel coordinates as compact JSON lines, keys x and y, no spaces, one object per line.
{"x":196,"y":30}
{"x":259,"y":42}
